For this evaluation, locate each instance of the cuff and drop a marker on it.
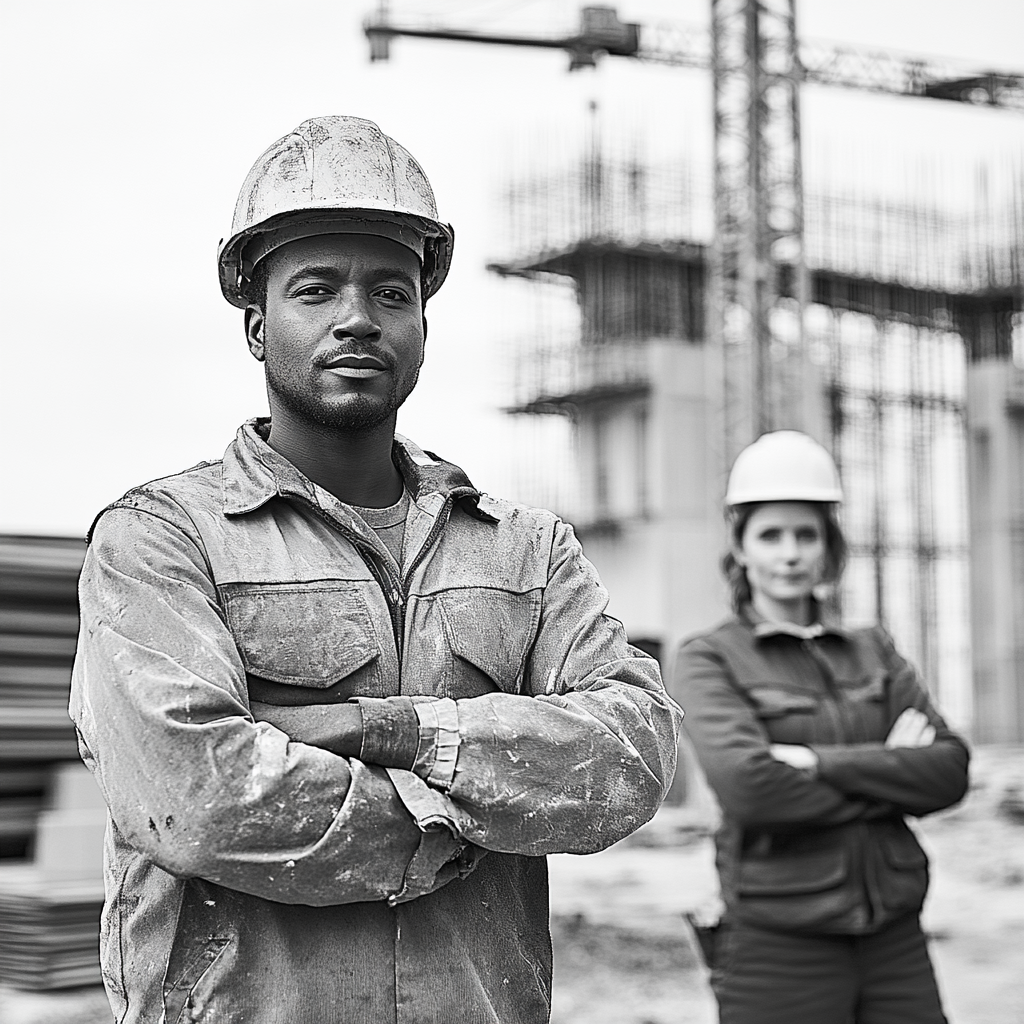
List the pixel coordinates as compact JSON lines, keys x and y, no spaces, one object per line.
{"x":841,"y":764}
{"x":391,"y":731}
{"x":429,"y":808}
{"x":438,"y":747}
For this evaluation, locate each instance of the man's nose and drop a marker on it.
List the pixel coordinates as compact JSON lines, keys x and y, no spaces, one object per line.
{"x":355,"y":319}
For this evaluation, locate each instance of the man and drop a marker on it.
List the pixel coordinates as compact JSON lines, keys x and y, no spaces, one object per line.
{"x":340,"y":703}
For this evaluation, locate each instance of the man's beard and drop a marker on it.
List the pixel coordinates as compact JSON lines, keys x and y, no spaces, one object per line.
{"x":360,"y":414}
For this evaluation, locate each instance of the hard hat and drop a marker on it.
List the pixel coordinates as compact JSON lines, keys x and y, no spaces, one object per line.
{"x":333,"y":174}
{"x":785,"y":465}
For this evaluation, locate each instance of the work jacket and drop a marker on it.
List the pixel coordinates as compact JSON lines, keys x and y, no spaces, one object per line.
{"x":255,"y":879}
{"x":824,"y":851}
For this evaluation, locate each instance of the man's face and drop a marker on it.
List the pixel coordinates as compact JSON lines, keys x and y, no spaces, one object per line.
{"x":342,"y":333}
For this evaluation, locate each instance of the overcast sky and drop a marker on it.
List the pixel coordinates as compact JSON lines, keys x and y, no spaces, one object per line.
{"x":129,"y":127}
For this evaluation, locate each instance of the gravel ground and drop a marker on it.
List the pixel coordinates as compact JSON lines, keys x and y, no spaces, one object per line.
{"x":623,"y":954}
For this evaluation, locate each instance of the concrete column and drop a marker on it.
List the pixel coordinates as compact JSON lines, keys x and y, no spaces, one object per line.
{"x":995,"y":413}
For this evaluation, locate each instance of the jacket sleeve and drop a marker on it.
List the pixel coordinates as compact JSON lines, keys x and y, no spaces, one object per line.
{"x":191,"y":780}
{"x":732,"y":746}
{"x":580,"y":759}
{"x":916,"y":780}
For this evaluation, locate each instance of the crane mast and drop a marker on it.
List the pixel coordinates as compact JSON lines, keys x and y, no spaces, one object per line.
{"x":759,"y":236}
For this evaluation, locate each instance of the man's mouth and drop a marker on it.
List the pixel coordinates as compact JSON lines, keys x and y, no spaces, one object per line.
{"x":357,"y":366}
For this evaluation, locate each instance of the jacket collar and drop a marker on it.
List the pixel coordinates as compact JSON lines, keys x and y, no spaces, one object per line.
{"x":252,"y":473}
{"x":824,"y":625}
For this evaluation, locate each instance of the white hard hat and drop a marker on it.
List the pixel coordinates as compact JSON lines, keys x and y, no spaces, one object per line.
{"x":785,"y":465}
{"x":333,"y":174}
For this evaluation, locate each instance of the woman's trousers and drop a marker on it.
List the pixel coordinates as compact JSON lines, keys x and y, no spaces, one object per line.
{"x":773,"y":977}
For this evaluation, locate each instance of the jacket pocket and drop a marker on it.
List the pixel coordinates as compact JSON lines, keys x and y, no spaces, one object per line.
{"x":793,"y":875}
{"x":773,"y":701}
{"x":798,"y":892}
{"x":870,"y":687}
{"x":489,"y":632}
{"x":902,"y":871}
{"x":310,"y":635}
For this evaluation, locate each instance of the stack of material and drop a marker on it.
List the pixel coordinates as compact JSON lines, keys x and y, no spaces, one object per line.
{"x":49,"y":929}
{"x":38,"y":630}
{"x":49,"y":806}
{"x":22,"y":787}
{"x":50,"y":907}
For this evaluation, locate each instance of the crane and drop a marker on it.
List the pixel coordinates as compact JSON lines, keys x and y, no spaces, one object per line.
{"x":758,"y":65}
{"x":602,"y":34}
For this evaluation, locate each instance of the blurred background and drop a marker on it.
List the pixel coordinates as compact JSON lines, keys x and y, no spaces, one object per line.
{"x":634,"y":296}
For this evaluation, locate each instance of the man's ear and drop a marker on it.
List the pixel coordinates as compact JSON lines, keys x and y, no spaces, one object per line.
{"x":254,"y":322}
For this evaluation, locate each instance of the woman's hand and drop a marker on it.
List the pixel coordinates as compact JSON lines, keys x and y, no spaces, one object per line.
{"x":911,"y":729}
{"x":795,"y":755}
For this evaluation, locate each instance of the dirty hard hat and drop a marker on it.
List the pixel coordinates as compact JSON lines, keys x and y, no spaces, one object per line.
{"x":785,"y":465}
{"x":333,"y":175}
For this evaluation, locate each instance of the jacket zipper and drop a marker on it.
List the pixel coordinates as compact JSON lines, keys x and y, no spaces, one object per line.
{"x":389,"y":586}
{"x":825,"y":671}
{"x":860,"y":828}
{"x":396,"y":592}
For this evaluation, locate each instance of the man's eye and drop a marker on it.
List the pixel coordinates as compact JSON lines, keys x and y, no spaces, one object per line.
{"x":392,"y":295}
{"x":313,"y":290}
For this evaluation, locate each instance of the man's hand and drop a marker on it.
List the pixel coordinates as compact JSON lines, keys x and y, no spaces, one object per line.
{"x":334,"y":727}
{"x":911,"y":729}
{"x":795,"y":755}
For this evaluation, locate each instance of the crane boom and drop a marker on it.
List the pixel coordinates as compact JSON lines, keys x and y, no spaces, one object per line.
{"x":908,"y":75}
{"x":680,"y":45}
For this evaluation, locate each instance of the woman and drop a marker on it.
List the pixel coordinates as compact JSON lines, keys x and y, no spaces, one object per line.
{"x":817,"y":741}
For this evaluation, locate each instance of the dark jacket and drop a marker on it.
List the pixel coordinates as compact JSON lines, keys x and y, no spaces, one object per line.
{"x":258,"y":880}
{"x":828,"y":851}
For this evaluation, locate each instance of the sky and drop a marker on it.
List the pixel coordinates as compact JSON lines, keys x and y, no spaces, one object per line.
{"x":128,"y":128}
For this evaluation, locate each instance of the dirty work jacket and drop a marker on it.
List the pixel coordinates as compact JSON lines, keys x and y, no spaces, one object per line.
{"x":828,"y":851}
{"x":252,"y":879}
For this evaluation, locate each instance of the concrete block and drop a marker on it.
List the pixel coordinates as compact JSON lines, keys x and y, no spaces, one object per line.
{"x":69,"y":844}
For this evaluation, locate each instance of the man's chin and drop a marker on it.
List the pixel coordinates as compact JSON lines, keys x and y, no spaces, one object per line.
{"x":358,"y":414}
{"x":360,"y":419}
{"x":349,"y":413}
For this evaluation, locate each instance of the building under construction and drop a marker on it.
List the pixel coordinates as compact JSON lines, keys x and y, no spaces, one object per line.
{"x":909,"y":377}
{"x":703,"y":320}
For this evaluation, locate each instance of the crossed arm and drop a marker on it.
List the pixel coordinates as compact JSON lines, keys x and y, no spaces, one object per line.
{"x":920,"y":767}
{"x":200,"y":786}
{"x":580,"y":760}
{"x":911,"y":730}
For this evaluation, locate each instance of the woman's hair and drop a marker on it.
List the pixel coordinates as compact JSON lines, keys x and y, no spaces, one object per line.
{"x":739,"y":516}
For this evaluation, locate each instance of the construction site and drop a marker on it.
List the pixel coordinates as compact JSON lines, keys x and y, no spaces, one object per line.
{"x":908,"y":375}
{"x":670,"y":313}
{"x":677,"y":315}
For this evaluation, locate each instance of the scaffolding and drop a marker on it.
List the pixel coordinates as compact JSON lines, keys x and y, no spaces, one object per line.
{"x":903,"y":295}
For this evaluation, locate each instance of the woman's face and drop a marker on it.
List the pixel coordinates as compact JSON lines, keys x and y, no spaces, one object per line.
{"x":783,"y":550}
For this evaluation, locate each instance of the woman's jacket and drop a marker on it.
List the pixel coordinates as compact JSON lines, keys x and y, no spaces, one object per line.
{"x":825,"y":851}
